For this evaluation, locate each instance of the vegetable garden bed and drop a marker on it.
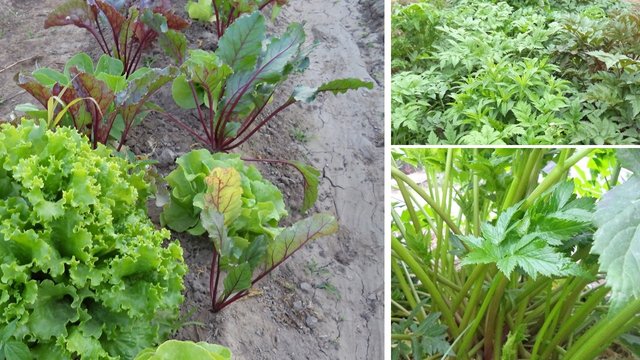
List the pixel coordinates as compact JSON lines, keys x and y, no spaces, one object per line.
{"x":293,"y":312}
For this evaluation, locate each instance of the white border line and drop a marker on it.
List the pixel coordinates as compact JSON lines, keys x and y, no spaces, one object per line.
{"x":387,"y":180}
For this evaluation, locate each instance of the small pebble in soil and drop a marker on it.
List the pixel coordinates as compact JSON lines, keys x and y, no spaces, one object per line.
{"x":297,"y":305}
{"x":306,"y":287}
{"x":311,"y":321}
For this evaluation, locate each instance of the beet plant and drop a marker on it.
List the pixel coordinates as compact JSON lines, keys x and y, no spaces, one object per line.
{"x":219,"y":195}
{"x":515,"y":254}
{"x":231,"y":89}
{"x":122,"y":29}
{"x":98,"y":100}
{"x":83,"y":271}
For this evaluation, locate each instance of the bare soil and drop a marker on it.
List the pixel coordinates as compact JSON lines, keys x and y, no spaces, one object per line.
{"x":326,"y":302}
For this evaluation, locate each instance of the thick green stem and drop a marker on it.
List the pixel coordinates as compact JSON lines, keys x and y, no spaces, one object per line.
{"x":400,"y":176}
{"x":555,"y":176}
{"x":419,"y":272}
{"x":404,"y":286}
{"x":569,"y":326}
{"x":468,"y":336}
{"x":590,"y":344}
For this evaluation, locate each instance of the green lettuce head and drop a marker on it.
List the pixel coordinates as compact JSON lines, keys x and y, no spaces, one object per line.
{"x":83,"y":271}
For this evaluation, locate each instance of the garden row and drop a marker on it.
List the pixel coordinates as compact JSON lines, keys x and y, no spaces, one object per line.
{"x":84,"y":273}
{"x":515,"y":72}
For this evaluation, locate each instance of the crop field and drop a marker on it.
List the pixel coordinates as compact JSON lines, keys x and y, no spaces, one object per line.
{"x":178,"y":179}
{"x":515,"y":253}
{"x":479,"y":72}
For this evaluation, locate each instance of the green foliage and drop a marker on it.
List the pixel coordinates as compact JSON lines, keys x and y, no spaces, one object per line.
{"x":241,"y":212}
{"x":223,"y":13}
{"x":503,"y":254}
{"x":104,"y":103}
{"x":531,"y":243}
{"x":515,"y":72}
{"x":83,"y":271}
{"x":618,"y":237}
{"x":132,"y":26}
{"x":174,"y":349}
{"x":263,"y":206}
{"x":232,"y":87}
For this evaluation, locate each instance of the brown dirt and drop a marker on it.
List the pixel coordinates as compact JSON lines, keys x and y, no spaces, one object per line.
{"x":326,"y":302}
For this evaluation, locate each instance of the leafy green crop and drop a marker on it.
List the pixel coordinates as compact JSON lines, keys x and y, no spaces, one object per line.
{"x":241,"y":212}
{"x":83,"y":271}
{"x":174,"y":349}
{"x":224,"y":12}
{"x":103,"y":103}
{"x":231,"y":88}
{"x":499,"y":256}
{"x":515,"y":72}
{"x":122,"y":32}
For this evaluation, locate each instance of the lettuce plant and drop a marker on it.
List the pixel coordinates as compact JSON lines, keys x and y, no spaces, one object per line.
{"x":123,"y":31}
{"x":174,"y":349}
{"x":231,"y":88}
{"x":224,"y":12}
{"x":240,"y":211}
{"x":83,"y":271}
{"x":111,"y":103}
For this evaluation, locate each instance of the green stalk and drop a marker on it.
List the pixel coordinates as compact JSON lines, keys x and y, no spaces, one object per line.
{"x":470,"y":309}
{"x":489,"y":325}
{"x":549,"y":324}
{"x":589,"y":345}
{"x":575,"y":320}
{"x":478,"y":271}
{"x":409,"y":204}
{"x":400,"y":176}
{"x":517,"y":177}
{"x":555,"y":176}
{"x":466,"y":340}
{"x":523,"y":183}
{"x":497,"y":347}
{"x":444,"y":244}
{"x":405,"y":288}
{"x":476,"y":199}
{"x":417,"y":270}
